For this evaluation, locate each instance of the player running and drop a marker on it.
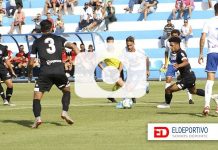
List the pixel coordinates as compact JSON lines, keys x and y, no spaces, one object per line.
{"x":170,"y":59}
{"x":187,"y":75}
{"x":5,"y":75}
{"x":49,"y":50}
{"x":210,"y":30}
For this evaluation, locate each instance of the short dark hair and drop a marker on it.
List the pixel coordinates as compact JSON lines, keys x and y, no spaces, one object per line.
{"x":110,"y":38}
{"x":175,"y":39}
{"x":216,"y":8}
{"x":130,"y":39}
{"x":46,"y":25}
{"x":175,"y":31}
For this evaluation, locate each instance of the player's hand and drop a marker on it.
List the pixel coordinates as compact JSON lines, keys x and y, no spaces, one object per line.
{"x":14,"y":75}
{"x":148,"y":73}
{"x":200,"y":59}
{"x":176,"y":66}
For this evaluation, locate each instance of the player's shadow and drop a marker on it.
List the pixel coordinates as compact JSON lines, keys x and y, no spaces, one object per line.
{"x":28,"y":123}
{"x":191,"y":114}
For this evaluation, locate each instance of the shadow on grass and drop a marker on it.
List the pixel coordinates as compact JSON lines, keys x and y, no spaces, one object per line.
{"x":28,"y":123}
{"x":191,"y":114}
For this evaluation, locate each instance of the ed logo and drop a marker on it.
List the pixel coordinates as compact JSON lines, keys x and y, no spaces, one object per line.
{"x":161,"y":132}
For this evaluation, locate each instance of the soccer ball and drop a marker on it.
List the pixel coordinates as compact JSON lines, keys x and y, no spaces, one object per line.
{"x":127,"y":103}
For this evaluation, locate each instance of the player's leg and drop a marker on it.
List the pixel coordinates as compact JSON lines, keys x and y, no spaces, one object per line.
{"x":9,"y":90}
{"x":189,"y":97}
{"x":65,"y":105}
{"x":37,"y":108}
{"x":211,"y":68}
{"x":2,"y":93}
{"x":62,"y":82}
{"x":43,"y":84}
{"x":168,"y":95}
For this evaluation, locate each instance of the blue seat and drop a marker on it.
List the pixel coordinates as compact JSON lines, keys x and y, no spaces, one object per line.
{"x":156,"y":66}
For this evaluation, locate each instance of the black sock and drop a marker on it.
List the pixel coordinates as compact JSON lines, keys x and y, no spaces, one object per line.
{"x":66,"y":100}
{"x":200,"y":92}
{"x":2,"y":93}
{"x":168,"y":98}
{"x":23,"y":71}
{"x":9,"y":93}
{"x":36,"y":107}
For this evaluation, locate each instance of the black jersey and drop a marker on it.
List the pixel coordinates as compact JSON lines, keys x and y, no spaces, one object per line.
{"x":3,"y":54}
{"x":49,"y":48}
{"x":184,"y":71}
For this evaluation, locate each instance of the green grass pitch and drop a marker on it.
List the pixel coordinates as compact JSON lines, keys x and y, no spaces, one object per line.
{"x":98,"y":124}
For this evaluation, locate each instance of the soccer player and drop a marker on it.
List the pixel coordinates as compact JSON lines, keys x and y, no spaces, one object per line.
{"x":130,"y":47}
{"x":170,"y":59}
{"x":5,"y":75}
{"x":187,"y":75}
{"x":210,"y":30}
{"x":49,"y":50}
{"x":115,"y":63}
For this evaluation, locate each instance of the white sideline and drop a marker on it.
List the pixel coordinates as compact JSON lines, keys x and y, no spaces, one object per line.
{"x":76,"y":105}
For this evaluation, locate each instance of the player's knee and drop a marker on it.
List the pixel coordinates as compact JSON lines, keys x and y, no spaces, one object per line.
{"x":168,"y":90}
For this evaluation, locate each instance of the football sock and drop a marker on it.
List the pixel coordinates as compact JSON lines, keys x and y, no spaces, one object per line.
{"x":168,"y":98}
{"x":9,"y":92}
{"x":36,"y":107}
{"x":167,"y":85}
{"x":2,"y":92}
{"x":208,"y":92}
{"x":200,"y":92}
{"x":22,"y":71}
{"x":189,"y":94}
{"x":66,"y":100}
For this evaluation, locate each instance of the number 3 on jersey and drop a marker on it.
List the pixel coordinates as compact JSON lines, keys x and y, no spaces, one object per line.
{"x":51,"y":47}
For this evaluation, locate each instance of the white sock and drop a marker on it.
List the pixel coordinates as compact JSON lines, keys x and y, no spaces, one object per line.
{"x":189,"y":94}
{"x":208,"y":92}
{"x":167,"y":85}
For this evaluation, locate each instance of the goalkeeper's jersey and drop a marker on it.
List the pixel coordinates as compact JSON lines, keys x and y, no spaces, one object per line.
{"x":112,"y":62}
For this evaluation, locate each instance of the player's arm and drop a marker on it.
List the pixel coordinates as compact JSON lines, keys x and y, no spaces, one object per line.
{"x":184,"y":59}
{"x":147,"y":67}
{"x":72,"y":46}
{"x":120,"y":68}
{"x":32,"y":59}
{"x":166,"y":57}
{"x":202,"y":42}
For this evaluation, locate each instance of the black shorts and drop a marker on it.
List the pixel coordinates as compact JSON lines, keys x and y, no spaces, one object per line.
{"x":4,"y":74}
{"x":45,"y":82}
{"x":187,"y":82}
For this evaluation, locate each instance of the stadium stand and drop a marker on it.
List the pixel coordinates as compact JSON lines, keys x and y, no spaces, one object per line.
{"x":146,"y":32}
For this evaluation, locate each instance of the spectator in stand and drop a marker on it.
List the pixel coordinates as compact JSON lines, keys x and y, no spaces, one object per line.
{"x":66,"y":59}
{"x":148,"y":6}
{"x":166,"y":32}
{"x":72,"y":4}
{"x":62,"y":5}
{"x":19,"y":3}
{"x":179,"y":7}
{"x":98,"y":17}
{"x":11,"y":8}
{"x":86,"y":17}
{"x":110,"y":14}
{"x":2,"y":13}
{"x":50,"y":19}
{"x":131,"y":5}
{"x":189,"y":5}
{"x":186,"y":32}
{"x":20,"y":61}
{"x":50,"y":4}
{"x":82,"y":48}
{"x":59,"y":25}
{"x":37,"y":21}
{"x":19,"y":20}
